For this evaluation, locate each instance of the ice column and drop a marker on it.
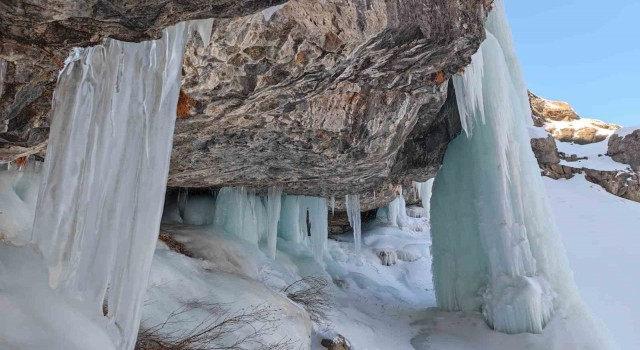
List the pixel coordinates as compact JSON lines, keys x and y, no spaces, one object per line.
{"x":319,"y":217}
{"x":3,"y":73}
{"x":102,"y":193}
{"x":352,"y":203}
{"x":274,"y":203}
{"x":289,"y":226}
{"x":495,"y":245}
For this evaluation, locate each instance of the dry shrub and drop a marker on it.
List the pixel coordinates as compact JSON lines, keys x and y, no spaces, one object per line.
{"x":184,"y":105}
{"x":440,"y":77}
{"x":218,"y":331}
{"x":312,"y":294}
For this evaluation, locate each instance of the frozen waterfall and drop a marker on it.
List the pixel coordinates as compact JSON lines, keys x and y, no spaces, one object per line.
{"x":261,"y":220}
{"x":102,"y":192}
{"x":495,"y":244}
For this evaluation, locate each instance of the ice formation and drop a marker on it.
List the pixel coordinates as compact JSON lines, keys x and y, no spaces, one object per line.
{"x":396,"y":211}
{"x":300,"y":219}
{"x":274,"y":203}
{"x":3,"y":72}
{"x":423,"y":190}
{"x":495,"y":245}
{"x":318,"y":212}
{"x":352,"y":204}
{"x":101,"y":196}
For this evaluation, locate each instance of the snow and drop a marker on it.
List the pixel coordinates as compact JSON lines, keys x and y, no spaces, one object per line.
{"x":601,"y":236}
{"x":602,"y":129}
{"x":596,"y":154}
{"x":270,"y":11}
{"x":536,"y":132}
{"x":623,"y":132}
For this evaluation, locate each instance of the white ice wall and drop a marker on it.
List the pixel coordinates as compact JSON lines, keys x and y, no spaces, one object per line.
{"x":495,"y":244}
{"x":101,"y":197}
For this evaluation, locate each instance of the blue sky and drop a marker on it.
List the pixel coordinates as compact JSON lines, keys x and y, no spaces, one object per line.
{"x":585,"y":52}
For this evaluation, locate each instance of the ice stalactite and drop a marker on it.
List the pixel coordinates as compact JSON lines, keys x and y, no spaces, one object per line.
{"x":102,"y":192}
{"x":352,"y":203}
{"x":3,"y":73}
{"x":495,"y":244}
{"x":319,"y":218}
{"x":423,"y":190}
{"x":274,"y":204}
{"x":289,"y":225}
{"x":239,"y":212}
{"x":256,"y":219}
{"x":395,"y":212}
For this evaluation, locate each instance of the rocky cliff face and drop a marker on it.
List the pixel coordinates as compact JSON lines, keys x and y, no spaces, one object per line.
{"x":36,"y":36}
{"x":622,"y":183}
{"x":324,"y":98}
{"x":565,"y":125}
{"x":625,"y":148}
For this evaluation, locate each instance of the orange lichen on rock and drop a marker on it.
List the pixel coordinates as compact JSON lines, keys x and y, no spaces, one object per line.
{"x":184,"y":105}
{"x":460,"y":71}
{"x":20,"y":162}
{"x":440,"y":77}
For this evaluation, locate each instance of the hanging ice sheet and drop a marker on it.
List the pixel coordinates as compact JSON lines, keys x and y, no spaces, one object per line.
{"x":102,"y":192}
{"x":495,"y":245}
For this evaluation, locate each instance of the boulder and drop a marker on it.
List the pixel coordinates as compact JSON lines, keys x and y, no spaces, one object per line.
{"x":624,"y":147}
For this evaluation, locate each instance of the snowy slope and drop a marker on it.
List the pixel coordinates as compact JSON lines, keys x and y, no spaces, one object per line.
{"x":602,"y":238}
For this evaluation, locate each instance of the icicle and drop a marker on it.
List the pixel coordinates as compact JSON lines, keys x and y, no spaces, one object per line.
{"x":204,"y":27}
{"x":239,"y":212}
{"x":101,"y":198}
{"x":423,"y":192}
{"x":289,"y":225}
{"x":492,"y":230}
{"x":352,"y":203}
{"x":374,"y":198}
{"x":183,"y":198}
{"x":273,"y":215}
{"x":319,"y":217}
{"x":3,"y":73}
{"x":333,"y":205}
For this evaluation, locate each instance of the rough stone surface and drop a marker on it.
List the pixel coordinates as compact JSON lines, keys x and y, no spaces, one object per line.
{"x":548,"y":110}
{"x":337,"y":343}
{"x":327,"y":98}
{"x":324,"y":98}
{"x":624,"y":184}
{"x":36,"y":36}
{"x":565,"y":125}
{"x":545,"y":150}
{"x":626,"y":149}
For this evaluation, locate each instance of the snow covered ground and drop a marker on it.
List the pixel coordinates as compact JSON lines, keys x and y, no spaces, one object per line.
{"x":602,"y":237}
{"x":394,"y":307}
{"x":596,"y":154}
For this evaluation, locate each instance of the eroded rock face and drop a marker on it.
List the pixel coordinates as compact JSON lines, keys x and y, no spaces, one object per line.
{"x":327,"y":98}
{"x":624,"y":184}
{"x":36,"y":36}
{"x":626,"y":148}
{"x":565,"y":125}
{"x":548,"y":110}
